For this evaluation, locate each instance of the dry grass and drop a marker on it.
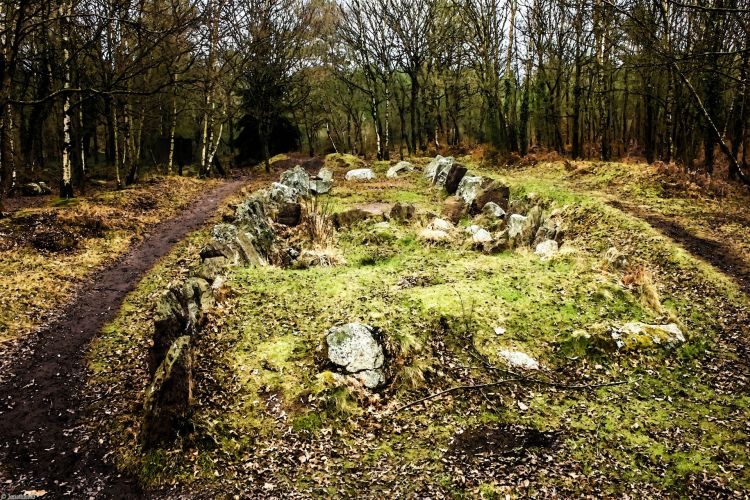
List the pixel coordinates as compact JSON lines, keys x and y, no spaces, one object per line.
{"x":46,"y":252}
{"x":641,"y":281}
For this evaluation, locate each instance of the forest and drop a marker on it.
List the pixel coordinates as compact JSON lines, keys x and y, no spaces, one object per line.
{"x":374,"y":249}
{"x":109,"y":88}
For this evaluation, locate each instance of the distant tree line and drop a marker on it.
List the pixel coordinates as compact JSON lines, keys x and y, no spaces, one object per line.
{"x":116,"y":86}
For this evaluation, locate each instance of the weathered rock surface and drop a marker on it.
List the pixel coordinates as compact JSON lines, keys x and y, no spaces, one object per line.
{"x":281,"y":193}
{"x":323,"y":182}
{"x":551,"y":228}
{"x":546,"y":249}
{"x":35,"y":189}
{"x":518,"y":359}
{"x":399,"y":168}
{"x":441,"y":225}
{"x":469,"y":187}
{"x":493,"y":210}
{"x":481,"y":237}
{"x":455,"y":174}
{"x":169,"y":396}
{"x":354,"y":348}
{"x":360,"y":174}
{"x":437,"y":170}
{"x":495,"y":192}
{"x":454,"y":209}
{"x":251,"y":219}
{"x":637,"y":335}
{"x":297,"y":179}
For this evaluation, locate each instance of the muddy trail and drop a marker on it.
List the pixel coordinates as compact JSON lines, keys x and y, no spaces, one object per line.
{"x":714,"y":252}
{"x":43,"y":445}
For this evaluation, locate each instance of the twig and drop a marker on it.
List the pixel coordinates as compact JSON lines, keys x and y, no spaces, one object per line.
{"x":453,"y":389}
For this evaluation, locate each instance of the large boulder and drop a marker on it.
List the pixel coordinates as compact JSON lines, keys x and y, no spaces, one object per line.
{"x":454,"y":209}
{"x":296,"y":179}
{"x":437,"y":170}
{"x":169,"y":396}
{"x":454,"y":177}
{"x":398,"y":168}
{"x":35,"y":189}
{"x":469,"y":187}
{"x":495,"y":192}
{"x":360,"y":174}
{"x":516,"y":224}
{"x":354,"y":348}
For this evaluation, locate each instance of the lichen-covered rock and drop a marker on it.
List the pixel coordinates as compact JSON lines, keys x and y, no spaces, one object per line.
{"x":169,"y":396}
{"x":437,"y":170}
{"x":252,"y":219}
{"x":455,"y":174}
{"x":469,"y":187}
{"x":224,"y":232}
{"x":170,"y":322}
{"x":398,"y":168}
{"x":323,"y":182}
{"x":402,"y":212}
{"x":495,"y":192}
{"x":516,"y":224}
{"x":493,"y":210}
{"x":360,"y":174}
{"x":354,"y":348}
{"x":297,"y":179}
{"x":546,"y":249}
{"x":455,"y":209}
{"x":518,"y":359}
{"x":281,"y":193}
{"x":637,"y":335}
{"x":212,"y":267}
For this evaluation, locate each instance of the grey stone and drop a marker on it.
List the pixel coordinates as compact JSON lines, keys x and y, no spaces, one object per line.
{"x":492,"y":209}
{"x":360,"y":174}
{"x":354,"y":348}
{"x":469,"y":187}
{"x":398,"y":168}
{"x":437,"y":170}
{"x":297,"y":179}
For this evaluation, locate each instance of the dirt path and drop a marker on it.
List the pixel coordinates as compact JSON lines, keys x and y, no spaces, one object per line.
{"x":42,"y":444}
{"x":719,"y":255}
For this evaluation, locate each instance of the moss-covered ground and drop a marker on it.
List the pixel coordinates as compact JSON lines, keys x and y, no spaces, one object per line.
{"x":270,"y":419}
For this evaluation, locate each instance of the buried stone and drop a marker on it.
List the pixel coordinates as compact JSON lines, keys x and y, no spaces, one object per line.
{"x":354,"y":348}
{"x":360,"y":174}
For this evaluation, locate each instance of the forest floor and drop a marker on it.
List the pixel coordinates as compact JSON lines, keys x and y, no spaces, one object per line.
{"x":269,"y":422}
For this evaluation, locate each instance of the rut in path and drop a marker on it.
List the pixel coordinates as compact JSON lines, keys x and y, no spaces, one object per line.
{"x":41,"y":441}
{"x":716,"y":253}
